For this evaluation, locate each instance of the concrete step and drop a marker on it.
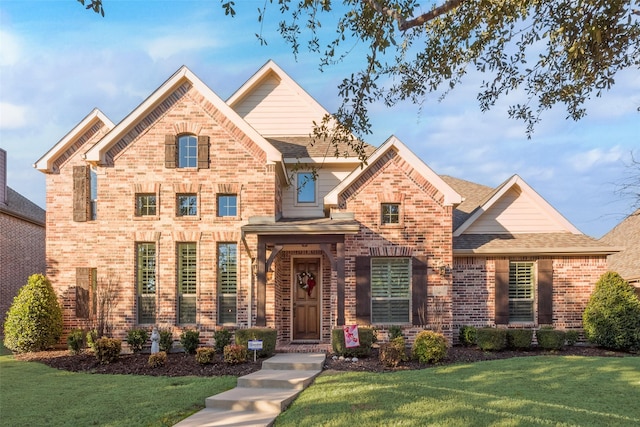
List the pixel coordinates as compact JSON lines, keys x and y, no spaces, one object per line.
{"x":262,"y":400}
{"x":275,"y":378}
{"x":292,"y":361}
{"x":209,"y":417}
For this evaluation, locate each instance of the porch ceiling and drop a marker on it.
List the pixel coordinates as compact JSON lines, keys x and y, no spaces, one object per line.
{"x":304,"y":226}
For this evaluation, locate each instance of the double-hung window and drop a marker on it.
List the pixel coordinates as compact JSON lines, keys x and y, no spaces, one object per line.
{"x":227,"y":205}
{"x":521,"y":295}
{"x":187,"y":273}
{"x":146,"y":204}
{"x":146,"y":282}
{"x":187,"y":151}
{"x":390,"y":290}
{"x":227,"y":282}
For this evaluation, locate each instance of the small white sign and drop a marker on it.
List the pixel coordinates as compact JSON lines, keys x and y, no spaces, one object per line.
{"x":438,"y":291}
{"x":255,"y":344}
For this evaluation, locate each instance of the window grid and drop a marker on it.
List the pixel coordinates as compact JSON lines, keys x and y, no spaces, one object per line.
{"x":521,"y":295}
{"x":390,"y":213}
{"x":187,"y":204}
{"x":390,"y":290}
{"x":187,"y":273}
{"x":187,"y":151}
{"x":227,"y":282}
{"x":227,"y":205}
{"x":146,"y":204}
{"x":146,"y":282}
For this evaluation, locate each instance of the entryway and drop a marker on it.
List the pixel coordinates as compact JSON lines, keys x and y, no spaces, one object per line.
{"x":306,"y":299}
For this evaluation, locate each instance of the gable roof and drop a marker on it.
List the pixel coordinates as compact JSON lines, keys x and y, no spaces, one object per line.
{"x":98,"y":151}
{"x":271,"y":90}
{"x":513,"y":190}
{"x":451,"y":197}
{"x":626,"y":234}
{"x":95,"y":117}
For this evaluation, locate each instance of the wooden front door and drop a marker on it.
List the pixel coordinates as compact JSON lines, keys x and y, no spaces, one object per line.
{"x":306,"y":302}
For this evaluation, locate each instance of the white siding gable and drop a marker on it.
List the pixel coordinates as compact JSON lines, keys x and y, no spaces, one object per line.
{"x":515,"y":212}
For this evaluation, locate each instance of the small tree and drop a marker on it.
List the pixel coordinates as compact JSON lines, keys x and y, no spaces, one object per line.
{"x":612,"y":316}
{"x":34,"y":321}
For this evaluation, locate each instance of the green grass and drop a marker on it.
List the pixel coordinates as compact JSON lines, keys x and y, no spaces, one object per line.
{"x":32,"y":394}
{"x":531,"y":391}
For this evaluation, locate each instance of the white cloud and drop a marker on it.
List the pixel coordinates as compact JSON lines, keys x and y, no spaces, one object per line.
{"x":12,"y":116}
{"x":10,"y":49}
{"x":168,"y":46}
{"x":586,"y":160}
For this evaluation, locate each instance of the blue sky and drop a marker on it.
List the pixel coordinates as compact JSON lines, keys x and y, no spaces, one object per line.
{"x":58,"y":62}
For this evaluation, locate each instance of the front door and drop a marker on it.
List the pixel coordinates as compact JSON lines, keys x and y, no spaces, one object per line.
{"x":306,"y":301}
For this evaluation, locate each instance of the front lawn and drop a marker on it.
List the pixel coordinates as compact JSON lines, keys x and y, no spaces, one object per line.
{"x":527,"y":391}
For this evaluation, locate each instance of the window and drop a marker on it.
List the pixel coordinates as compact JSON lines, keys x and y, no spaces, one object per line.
{"x":227,"y":282}
{"x":93,"y":195}
{"x":187,"y":205}
{"x":227,"y":205}
{"x":390,"y":290}
{"x":306,"y":187}
{"x":187,"y":273}
{"x":146,"y":204}
{"x":521,"y":285}
{"x":390,"y":213}
{"x":187,"y":151}
{"x":146,"y":282}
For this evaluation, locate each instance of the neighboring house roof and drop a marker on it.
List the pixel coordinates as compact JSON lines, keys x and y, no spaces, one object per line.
{"x":393,"y":143}
{"x":88,"y":126}
{"x":183,"y":75}
{"x":627,"y":235}
{"x":20,"y":207}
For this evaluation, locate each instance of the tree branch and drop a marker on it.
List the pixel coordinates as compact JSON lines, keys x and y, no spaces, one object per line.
{"x":445,"y":7}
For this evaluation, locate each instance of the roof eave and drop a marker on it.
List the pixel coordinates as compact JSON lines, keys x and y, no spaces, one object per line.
{"x":602,"y":250}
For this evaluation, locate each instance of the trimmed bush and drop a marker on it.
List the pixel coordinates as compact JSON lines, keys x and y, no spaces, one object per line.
{"x":157,"y":360}
{"x":395,"y":331}
{"x":136,"y":338}
{"x":190,"y":341}
{"x":34,"y":320}
{"x":235,"y":354}
{"x":166,"y":340}
{"x":393,"y":352}
{"x":222,"y":338}
{"x":366,"y":336}
{"x":107,"y":350}
{"x":491,"y":339}
{"x":519,"y":339}
{"x":76,"y":341}
{"x":267,"y":335}
{"x":429,"y":347}
{"x":467,"y":335}
{"x":550,"y":339}
{"x":92,"y":337}
{"x":571,"y":337}
{"x":204,"y":355}
{"x":612,"y":316}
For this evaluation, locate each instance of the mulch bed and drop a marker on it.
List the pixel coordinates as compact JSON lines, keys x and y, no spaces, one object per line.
{"x":180,"y":364}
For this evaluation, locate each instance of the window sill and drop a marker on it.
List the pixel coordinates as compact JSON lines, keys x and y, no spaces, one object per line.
{"x":146,"y":218}
{"x":188,"y":218}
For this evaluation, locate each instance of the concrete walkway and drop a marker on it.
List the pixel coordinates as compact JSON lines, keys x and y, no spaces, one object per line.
{"x":262,"y":395}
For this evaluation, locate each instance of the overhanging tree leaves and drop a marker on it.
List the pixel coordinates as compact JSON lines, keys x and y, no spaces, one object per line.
{"x":552,"y":51}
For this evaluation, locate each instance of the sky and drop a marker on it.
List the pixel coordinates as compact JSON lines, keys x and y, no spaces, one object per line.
{"x":58,"y":62}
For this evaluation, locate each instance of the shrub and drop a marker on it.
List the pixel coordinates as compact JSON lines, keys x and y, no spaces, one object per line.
{"x":107,"y":350}
{"x":491,"y":339}
{"x":519,"y":339}
{"x":550,"y":339}
{"x":571,"y":337}
{"x":395,"y":331}
{"x":157,"y":360}
{"x":166,"y":340}
{"x":76,"y":341}
{"x":612,"y":316}
{"x":235,"y":354}
{"x":393,"y":352}
{"x":34,"y":320}
{"x":467,"y":335}
{"x":92,"y":337}
{"x":204,"y":355}
{"x":222,"y":338}
{"x":267,"y":335}
{"x":136,"y":338}
{"x":366,"y":336}
{"x":190,"y":341}
{"x":429,"y":347}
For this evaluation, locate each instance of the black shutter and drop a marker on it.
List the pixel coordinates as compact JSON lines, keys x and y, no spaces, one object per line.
{"x":83,"y":283}
{"x":502,"y":292}
{"x":545,"y":292}
{"x":170,"y":151}
{"x":80,"y":193}
{"x":418,"y":287}
{"x":203,"y":152}
{"x":363,"y":290}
